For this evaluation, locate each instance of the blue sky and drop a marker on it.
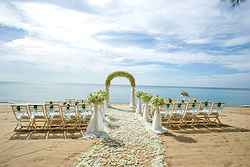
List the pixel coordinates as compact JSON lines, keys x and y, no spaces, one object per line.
{"x":161,"y":42}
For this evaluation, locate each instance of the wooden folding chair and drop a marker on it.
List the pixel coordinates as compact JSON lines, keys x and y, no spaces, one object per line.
{"x":84,"y":113}
{"x":215,"y":112}
{"x":201,"y":117}
{"x":177,"y":114}
{"x":22,"y":116}
{"x":54,"y":116}
{"x":189,"y":115}
{"x":166,"y":111}
{"x":55,"y":119}
{"x":70,"y":116}
{"x":38,"y":116}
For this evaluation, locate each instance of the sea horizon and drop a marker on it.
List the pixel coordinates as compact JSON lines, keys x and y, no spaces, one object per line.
{"x":19,"y":92}
{"x":139,"y":85}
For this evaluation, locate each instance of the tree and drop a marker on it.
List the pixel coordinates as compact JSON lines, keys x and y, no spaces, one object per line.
{"x":235,"y":3}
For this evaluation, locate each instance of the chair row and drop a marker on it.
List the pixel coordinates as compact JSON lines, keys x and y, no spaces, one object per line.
{"x":192,"y":113}
{"x":51,"y":116}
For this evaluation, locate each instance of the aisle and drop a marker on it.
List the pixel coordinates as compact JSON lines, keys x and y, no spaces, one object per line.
{"x":127,"y":143}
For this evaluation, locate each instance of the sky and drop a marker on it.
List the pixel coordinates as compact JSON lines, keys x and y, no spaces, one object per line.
{"x":160,"y":42}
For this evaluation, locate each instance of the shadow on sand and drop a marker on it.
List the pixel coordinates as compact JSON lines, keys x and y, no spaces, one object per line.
{"x":180,"y":138}
{"x":223,"y":128}
{"x":38,"y":135}
{"x":179,"y":133}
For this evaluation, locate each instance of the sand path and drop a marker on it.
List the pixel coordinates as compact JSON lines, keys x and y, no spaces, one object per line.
{"x":127,"y":143}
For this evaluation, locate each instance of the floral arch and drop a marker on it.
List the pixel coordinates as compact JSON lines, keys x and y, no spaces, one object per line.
{"x":121,"y":74}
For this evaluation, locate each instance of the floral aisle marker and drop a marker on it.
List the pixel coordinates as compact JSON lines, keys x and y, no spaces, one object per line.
{"x":96,"y":126}
{"x":146,"y":97}
{"x":103,"y":104}
{"x":156,"y":102}
{"x":139,"y":102}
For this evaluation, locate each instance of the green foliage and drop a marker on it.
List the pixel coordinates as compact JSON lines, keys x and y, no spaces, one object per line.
{"x":103,"y":93}
{"x":157,"y":101}
{"x":139,"y":94}
{"x":120,"y":74}
{"x":97,"y":97}
{"x":146,"y":97}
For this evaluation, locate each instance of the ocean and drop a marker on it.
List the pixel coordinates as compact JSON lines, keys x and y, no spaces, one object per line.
{"x":17,"y":92}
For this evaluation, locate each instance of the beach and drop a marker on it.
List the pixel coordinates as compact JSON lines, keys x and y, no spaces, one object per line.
{"x":36,"y":152}
{"x":212,"y":146}
{"x":108,"y":83}
{"x":227,"y":146}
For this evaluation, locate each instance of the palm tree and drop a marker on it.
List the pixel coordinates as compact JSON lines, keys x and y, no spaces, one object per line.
{"x":235,"y":3}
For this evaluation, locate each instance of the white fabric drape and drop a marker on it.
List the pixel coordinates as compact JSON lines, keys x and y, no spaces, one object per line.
{"x":96,"y":123}
{"x":145,"y":113}
{"x":138,"y":106}
{"x":105,"y":108}
{"x":156,"y":125}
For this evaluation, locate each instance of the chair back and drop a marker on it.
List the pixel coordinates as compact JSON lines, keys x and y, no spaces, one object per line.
{"x":36,"y":110}
{"x":193,"y":107}
{"x":20,"y":111}
{"x":52,"y":109}
{"x":68,"y":110}
{"x":83,"y":109}
{"x":168,"y":107}
{"x":180,"y":108}
{"x":206,"y":106}
{"x":217,"y":107}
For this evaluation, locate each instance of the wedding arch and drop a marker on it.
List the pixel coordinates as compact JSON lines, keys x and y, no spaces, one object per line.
{"x":121,"y":74}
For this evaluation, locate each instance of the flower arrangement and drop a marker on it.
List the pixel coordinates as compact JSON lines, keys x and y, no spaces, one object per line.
{"x":139,"y":94}
{"x":103,"y":94}
{"x":97,"y":97}
{"x":157,"y":101}
{"x":146,"y":97}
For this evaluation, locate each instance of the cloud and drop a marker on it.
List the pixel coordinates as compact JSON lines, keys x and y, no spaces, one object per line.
{"x":92,"y":38}
{"x":127,"y":39}
{"x":11,"y":33}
